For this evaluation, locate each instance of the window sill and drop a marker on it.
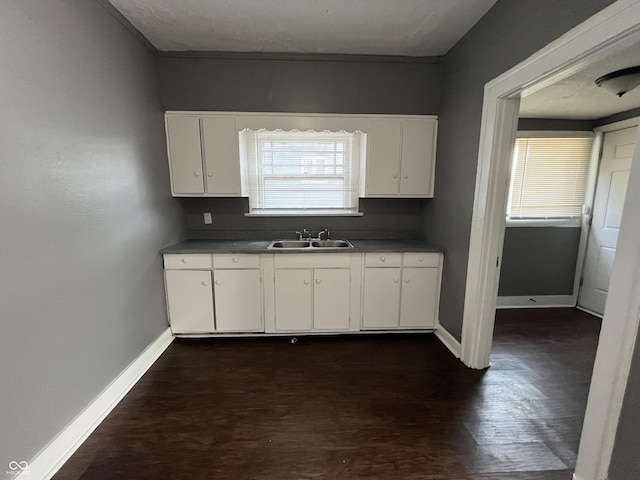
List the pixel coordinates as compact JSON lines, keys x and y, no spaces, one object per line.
{"x":305,"y":213}
{"x":544,"y":222}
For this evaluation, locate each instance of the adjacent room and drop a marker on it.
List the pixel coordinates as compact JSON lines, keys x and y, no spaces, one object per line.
{"x":241,"y":239}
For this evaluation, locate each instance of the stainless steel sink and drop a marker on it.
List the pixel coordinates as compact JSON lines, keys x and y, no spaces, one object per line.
{"x":290,"y":244}
{"x":309,"y":244}
{"x":331,"y":244}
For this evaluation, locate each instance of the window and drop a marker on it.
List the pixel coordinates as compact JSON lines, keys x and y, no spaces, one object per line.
{"x":310,"y":173}
{"x":549,"y":177}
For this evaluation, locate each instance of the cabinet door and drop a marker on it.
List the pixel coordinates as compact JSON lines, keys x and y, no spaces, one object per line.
{"x":238,"y":300}
{"x":190,"y":301}
{"x":383,"y":157}
{"x":293,"y":300}
{"x":418,"y":140}
{"x":418,"y":301}
{"x":381,"y":303}
{"x":331,"y":298}
{"x":221,"y":156}
{"x":185,"y":155}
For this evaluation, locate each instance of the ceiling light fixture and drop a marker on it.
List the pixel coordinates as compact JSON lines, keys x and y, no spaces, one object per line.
{"x":620,"y":82}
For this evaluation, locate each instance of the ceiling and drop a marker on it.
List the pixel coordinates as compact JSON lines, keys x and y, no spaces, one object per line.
{"x":578,"y":97}
{"x":370,"y":27}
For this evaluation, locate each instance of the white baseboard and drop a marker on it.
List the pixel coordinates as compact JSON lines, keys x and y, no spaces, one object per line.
{"x":536,"y":301}
{"x":577,"y":477}
{"x":448,"y":341}
{"x":57,"y":452}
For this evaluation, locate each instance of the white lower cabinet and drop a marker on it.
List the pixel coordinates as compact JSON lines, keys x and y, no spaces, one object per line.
{"x":401,"y":292}
{"x":225,"y":293}
{"x":238,"y":300}
{"x":381,"y":302}
{"x":312,"y":299}
{"x":190,"y":301}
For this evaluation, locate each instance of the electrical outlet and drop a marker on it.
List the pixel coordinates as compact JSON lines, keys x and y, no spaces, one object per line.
{"x":208,"y":220}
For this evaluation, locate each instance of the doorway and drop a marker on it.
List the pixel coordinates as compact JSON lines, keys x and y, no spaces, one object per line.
{"x":602,"y":35}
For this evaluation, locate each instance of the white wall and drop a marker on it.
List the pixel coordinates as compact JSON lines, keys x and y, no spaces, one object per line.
{"x":84,"y":208}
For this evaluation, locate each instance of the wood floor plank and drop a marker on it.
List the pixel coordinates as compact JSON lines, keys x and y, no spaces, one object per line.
{"x":354,"y":407}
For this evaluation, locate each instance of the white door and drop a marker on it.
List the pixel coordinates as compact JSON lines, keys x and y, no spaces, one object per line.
{"x":331,"y":298}
{"x":381,"y":302}
{"x":293,"y":300}
{"x":185,"y":156}
{"x":418,"y":299}
{"x":611,"y":188}
{"x":383,"y":157}
{"x":238,"y":300}
{"x":418,"y":138}
{"x":190,"y":301}
{"x":221,"y":156}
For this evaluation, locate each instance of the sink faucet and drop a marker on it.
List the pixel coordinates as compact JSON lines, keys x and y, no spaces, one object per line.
{"x":304,"y":234}
{"x":326,"y":233}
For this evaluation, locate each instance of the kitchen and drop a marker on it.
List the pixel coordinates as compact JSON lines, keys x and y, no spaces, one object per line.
{"x":86,"y":186}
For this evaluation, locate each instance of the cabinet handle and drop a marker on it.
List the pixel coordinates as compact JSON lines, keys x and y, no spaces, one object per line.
{"x":197,"y":174}
{"x":184,"y":260}
{"x":406,"y":280}
{"x":406,"y":176}
{"x":382,"y":259}
{"x":305,"y":281}
{"x":205,"y":283}
{"x":394,"y":175}
{"x":217,"y":282}
{"x":318,"y":281}
{"x":209,"y":174}
{"x":395,"y":280}
{"x":234,"y":259}
{"x":420,"y":259}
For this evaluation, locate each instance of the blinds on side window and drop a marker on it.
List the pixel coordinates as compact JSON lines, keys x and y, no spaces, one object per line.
{"x":302,"y":172}
{"x":549,"y":177}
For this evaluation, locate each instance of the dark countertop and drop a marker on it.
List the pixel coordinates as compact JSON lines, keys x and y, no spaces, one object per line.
{"x":253,"y":246}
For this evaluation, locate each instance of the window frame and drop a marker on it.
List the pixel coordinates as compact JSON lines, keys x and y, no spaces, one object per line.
{"x":555,"y":222}
{"x":350,"y":177}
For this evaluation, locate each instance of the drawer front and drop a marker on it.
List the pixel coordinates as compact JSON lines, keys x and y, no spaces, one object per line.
{"x":242,"y":260}
{"x":421,"y":260}
{"x":383,"y":260}
{"x":187,"y":262}
{"x":313,"y":260}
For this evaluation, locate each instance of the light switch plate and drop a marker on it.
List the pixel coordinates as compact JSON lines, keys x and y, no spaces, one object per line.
{"x":208,"y":220}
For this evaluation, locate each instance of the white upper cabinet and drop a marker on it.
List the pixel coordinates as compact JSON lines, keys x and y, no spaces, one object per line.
{"x":185,"y":155}
{"x":221,"y":156}
{"x":203,"y":156}
{"x":400,"y":158}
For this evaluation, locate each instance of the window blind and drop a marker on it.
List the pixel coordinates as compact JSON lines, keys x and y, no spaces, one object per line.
{"x":302,"y":172}
{"x":549,"y":177}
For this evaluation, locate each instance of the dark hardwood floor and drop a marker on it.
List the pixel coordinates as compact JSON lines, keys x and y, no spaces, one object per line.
{"x":355,"y":407}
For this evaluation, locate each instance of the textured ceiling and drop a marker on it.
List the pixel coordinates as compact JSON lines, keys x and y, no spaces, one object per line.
{"x":372,"y":27}
{"x":578,"y":97}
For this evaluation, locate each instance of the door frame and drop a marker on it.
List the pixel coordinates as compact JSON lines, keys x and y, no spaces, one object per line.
{"x":590,"y":198}
{"x":603,"y":34}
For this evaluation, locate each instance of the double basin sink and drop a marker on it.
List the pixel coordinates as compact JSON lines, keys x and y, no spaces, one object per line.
{"x":309,"y":244}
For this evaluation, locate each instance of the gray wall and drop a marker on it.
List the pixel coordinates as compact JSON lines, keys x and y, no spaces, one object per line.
{"x":302,"y":84}
{"x":625,"y":461}
{"x":84,"y":207}
{"x":539,"y":261}
{"x":511,"y":31}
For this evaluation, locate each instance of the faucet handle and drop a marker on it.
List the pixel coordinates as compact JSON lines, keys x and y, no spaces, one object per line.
{"x":306,"y":233}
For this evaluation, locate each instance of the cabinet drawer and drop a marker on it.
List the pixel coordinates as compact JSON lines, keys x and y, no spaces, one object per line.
{"x":187,"y":262}
{"x":236,"y":261}
{"x":383,"y":259}
{"x":421,"y":259}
